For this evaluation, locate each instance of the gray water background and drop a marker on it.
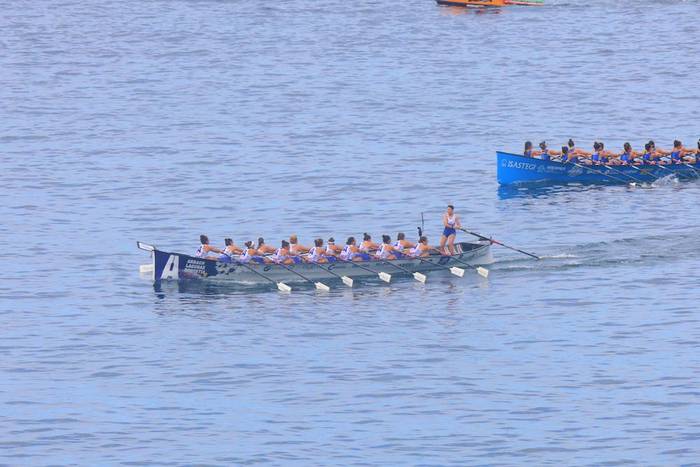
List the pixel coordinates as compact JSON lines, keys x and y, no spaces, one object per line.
{"x":161,"y":120}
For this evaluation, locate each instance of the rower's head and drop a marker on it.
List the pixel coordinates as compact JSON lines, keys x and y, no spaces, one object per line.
{"x":249,"y":244}
{"x":285,"y":244}
{"x":350,"y":241}
{"x":261,"y":242}
{"x":543,"y":145}
{"x":293,"y":239}
{"x":601,"y":145}
{"x":627,"y":147}
{"x":652,"y":144}
{"x":647,"y":147}
{"x":595,"y":145}
{"x":571,"y":143}
{"x":318,"y":242}
{"x":401,"y":236}
{"x":677,"y":144}
{"x":331,"y":241}
{"x":386,"y":239}
{"x":528,"y":146}
{"x":366,"y":237}
{"x":228,"y":241}
{"x":203,"y":239}
{"x":423,"y":239}
{"x":699,"y":144}
{"x":450,"y":209}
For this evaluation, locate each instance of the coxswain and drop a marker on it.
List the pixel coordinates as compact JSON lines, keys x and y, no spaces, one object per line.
{"x":205,"y":248}
{"x":316,"y":253}
{"x":263,"y":248}
{"x":385,"y":251}
{"x":421,"y":248}
{"x":451,"y":222}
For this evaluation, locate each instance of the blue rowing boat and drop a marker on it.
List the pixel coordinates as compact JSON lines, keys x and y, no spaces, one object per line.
{"x":516,"y":169}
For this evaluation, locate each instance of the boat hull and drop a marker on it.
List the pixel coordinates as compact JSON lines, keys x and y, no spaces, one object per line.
{"x":515,"y":169}
{"x":177,"y":266}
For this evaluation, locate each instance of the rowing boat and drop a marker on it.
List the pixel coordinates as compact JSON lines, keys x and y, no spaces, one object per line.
{"x":489,"y":3}
{"x":179,"y":266}
{"x":515,"y":169}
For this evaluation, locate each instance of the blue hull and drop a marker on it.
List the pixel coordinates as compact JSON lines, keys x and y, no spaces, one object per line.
{"x":514,"y":169}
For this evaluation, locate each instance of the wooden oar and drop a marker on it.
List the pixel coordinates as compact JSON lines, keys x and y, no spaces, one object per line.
{"x":319,"y":285}
{"x":483,"y":272}
{"x":280,"y":285}
{"x":499,"y":243}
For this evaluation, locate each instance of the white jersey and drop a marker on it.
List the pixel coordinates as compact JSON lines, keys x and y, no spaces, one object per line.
{"x":201,"y":253}
{"x":315,"y":254}
{"x":383,"y":252}
{"x":346,"y":254}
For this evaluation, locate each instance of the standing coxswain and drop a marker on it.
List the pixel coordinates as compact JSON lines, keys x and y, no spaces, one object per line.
{"x":451,"y":222}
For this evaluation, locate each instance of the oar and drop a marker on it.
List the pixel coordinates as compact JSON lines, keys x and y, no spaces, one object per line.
{"x":346,"y":280}
{"x":697,"y":175}
{"x":610,"y":167}
{"x":599,"y":172}
{"x":483,"y":272}
{"x":386,"y":277}
{"x":499,"y":243}
{"x":416,"y":275}
{"x":280,"y":285}
{"x":319,"y":285}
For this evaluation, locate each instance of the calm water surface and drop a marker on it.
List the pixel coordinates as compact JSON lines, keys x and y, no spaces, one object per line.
{"x":161,"y":120}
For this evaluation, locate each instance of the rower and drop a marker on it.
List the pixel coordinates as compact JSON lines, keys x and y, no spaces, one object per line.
{"x":250,"y":254}
{"x":263,"y":248}
{"x":574,"y":151}
{"x":204,"y":248}
{"x":679,"y":153}
{"x":528,"y":149}
{"x":626,"y":157}
{"x":544,"y":153}
{"x":451,"y":222}
{"x":648,"y":157}
{"x":421,"y":248}
{"x":386,"y":251}
{"x":282,"y":254}
{"x":604,"y":155}
{"x":367,"y":244}
{"x":316,"y":252}
{"x":401,"y":244}
{"x":295,"y":248}
{"x":332,"y":250}
{"x":229,"y":251}
{"x":351,"y":252}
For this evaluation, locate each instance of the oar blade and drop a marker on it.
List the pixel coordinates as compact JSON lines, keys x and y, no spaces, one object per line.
{"x":322,"y":286}
{"x":459,"y":272}
{"x":385,"y":277}
{"x":420,"y":277}
{"x":145,"y":268}
{"x":347,"y":281}
{"x":282,"y":287}
{"x":483,"y":272}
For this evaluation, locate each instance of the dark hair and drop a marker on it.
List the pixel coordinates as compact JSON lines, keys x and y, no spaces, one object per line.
{"x":651,"y":143}
{"x":627,"y":147}
{"x":564,"y":150}
{"x":318,"y":242}
{"x":677,"y":144}
{"x":601,"y":145}
{"x":249,"y":244}
{"x":261,"y":241}
{"x":228,"y":241}
{"x":699,"y":144}
{"x":331,"y":240}
{"x":543,"y":145}
{"x":285,"y":244}
{"x":366,"y":237}
{"x":528,"y":145}
{"x":451,"y":207}
{"x":596,"y":146}
{"x":647,"y":147}
{"x":571,"y":143}
{"x":203,"y":239}
{"x":386,"y":239}
{"x":350,"y":241}
{"x":422,"y":239}
{"x":400,"y":236}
